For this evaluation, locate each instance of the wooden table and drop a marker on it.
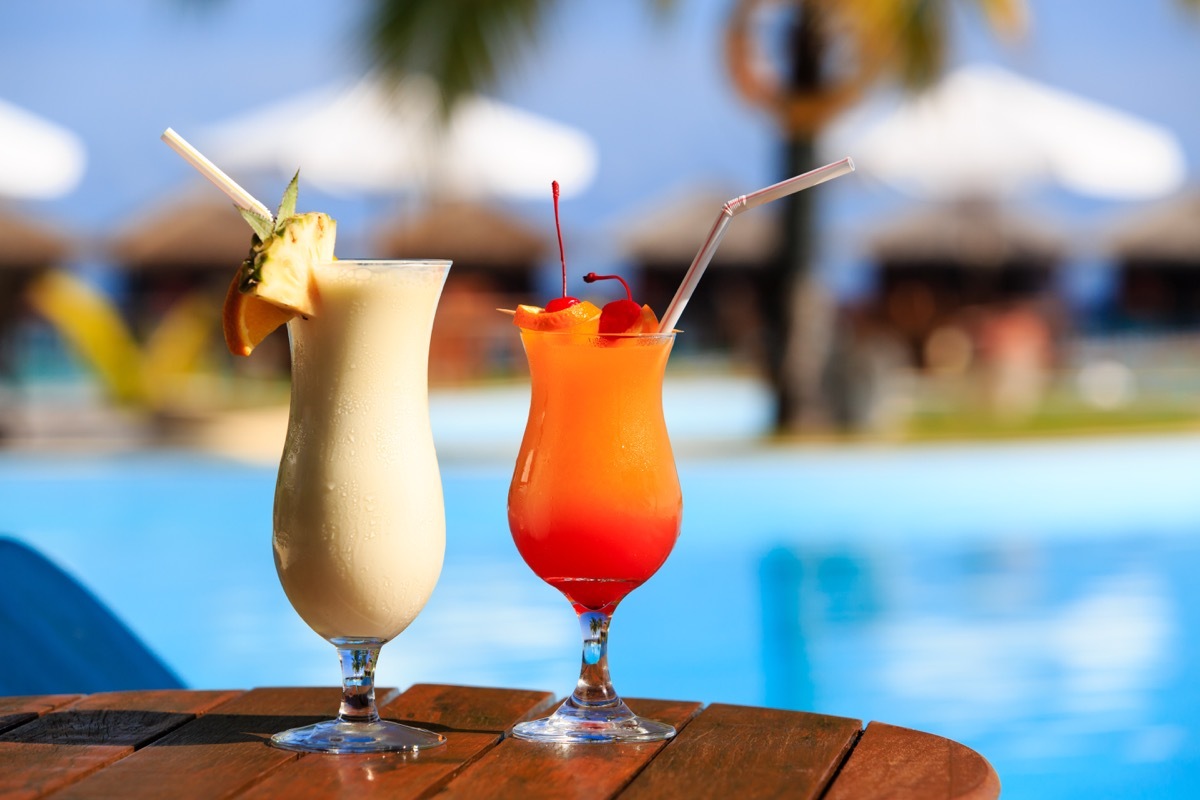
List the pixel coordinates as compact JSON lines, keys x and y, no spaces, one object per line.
{"x":210,"y":744}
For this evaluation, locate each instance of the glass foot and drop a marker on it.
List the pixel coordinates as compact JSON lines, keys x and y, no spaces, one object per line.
{"x":339,"y":736}
{"x":576,"y":724}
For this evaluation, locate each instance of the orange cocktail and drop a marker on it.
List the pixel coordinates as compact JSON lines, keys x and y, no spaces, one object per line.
{"x":595,"y":504}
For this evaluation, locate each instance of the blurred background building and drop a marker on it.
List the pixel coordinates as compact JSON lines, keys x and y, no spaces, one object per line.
{"x":1022,"y":188}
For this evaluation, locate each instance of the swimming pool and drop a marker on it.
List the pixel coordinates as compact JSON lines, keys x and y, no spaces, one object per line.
{"x":1035,"y":601}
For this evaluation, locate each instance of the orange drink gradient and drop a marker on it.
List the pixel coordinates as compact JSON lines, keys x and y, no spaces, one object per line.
{"x":595,"y":504}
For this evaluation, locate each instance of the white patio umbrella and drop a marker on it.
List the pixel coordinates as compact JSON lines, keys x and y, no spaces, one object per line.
{"x":366,"y":138}
{"x":985,"y":131}
{"x":39,"y":160}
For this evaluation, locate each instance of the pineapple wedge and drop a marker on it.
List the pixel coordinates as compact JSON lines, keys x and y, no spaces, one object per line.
{"x":279,"y":269}
{"x":275,"y":282}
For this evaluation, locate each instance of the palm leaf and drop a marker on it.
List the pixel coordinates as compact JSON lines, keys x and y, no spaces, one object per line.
{"x":464,"y":45}
{"x":915,"y":33}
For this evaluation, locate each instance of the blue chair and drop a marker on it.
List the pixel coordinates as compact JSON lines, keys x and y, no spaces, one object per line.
{"x":57,"y":637}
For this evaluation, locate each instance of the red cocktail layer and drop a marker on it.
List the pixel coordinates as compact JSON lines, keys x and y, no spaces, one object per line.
{"x":595,"y":557}
{"x":595,"y":505}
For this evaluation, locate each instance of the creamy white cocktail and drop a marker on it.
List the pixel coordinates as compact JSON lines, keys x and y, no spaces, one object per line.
{"x":360,"y":527}
{"x":359,"y":518}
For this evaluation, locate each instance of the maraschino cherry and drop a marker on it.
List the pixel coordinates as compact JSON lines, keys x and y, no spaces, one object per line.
{"x":619,"y":316}
{"x":560,"y":303}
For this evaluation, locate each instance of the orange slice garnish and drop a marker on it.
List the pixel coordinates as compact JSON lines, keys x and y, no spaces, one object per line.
{"x":649,"y":320}
{"x":248,"y":319}
{"x":583,"y":317}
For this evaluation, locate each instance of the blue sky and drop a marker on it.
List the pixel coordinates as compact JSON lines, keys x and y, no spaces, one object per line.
{"x":653,"y":93}
{"x":120,"y":76}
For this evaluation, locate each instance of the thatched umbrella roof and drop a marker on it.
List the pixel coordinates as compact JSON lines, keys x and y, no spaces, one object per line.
{"x":1166,"y":233}
{"x":27,"y":244}
{"x":467,"y":233}
{"x":185,"y":233}
{"x":670,"y":232}
{"x":972,"y":234}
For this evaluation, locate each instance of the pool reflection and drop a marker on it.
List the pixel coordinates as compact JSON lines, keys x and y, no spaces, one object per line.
{"x":1066,"y":662}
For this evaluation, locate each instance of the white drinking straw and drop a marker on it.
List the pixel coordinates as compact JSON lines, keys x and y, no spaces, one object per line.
{"x":240,"y":197}
{"x":731,"y":209}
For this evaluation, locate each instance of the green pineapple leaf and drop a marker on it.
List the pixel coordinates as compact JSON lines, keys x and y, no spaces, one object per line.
{"x":287,"y":206}
{"x":261,"y":225}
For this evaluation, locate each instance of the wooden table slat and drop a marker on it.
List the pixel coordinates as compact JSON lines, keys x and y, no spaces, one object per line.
{"x":66,"y":745}
{"x":904,"y":764}
{"x":529,"y":770}
{"x":744,"y":752}
{"x":212,"y":744}
{"x":221,"y":753}
{"x":473,"y":720}
{"x":15,"y":711}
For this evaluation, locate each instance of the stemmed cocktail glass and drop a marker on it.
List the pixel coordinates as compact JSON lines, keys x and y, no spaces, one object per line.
{"x":359,"y":524}
{"x":595,"y":505}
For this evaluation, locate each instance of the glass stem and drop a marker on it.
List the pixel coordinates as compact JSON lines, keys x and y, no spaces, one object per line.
{"x":358,"y":682}
{"x":594,"y":689}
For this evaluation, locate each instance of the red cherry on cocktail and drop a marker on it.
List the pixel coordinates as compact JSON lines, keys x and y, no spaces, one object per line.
{"x":619,"y":316}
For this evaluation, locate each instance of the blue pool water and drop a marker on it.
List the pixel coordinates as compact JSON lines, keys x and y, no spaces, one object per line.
{"x":1038,"y":602}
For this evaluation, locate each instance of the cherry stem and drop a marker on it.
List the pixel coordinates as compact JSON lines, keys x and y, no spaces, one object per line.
{"x":562,"y":254}
{"x":592,"y":277}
